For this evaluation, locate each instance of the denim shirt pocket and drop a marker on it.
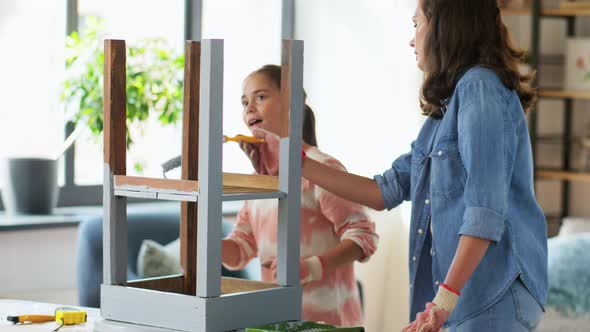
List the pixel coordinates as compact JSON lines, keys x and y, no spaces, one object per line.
{"x":418,"y":159}
{"x":448,"y":175}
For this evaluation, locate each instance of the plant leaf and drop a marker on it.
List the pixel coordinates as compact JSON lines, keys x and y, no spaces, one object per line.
{"x":154,"y":80}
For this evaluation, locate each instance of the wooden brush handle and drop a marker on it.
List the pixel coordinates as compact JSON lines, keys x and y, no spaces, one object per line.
{"x":31,"y":318}
{"x":247,"y":139}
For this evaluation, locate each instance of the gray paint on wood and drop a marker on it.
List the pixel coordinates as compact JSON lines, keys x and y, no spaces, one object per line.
{"x":179,"y":198}
{"x":288,"y":19}
{"x":137,"y":194}
{"x":210,"y":169}
{"x":290,"y":177}
{"x":135,"y":191}
{"x":154,"y":308}
{"x":193,"y":18}
{"x":253,"y":308}
{"x":114,"y":230}
{"x":147,"y":188}
{"x":189,"y":313}
{"x":208,"y":311}
{"x":253,"y":196}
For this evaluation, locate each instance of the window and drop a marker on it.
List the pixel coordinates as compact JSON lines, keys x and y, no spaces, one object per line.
{"x":134,"y":21}
{"x":32,"y":120}
{"x":34,"y":33}
{"x":31,"y":124}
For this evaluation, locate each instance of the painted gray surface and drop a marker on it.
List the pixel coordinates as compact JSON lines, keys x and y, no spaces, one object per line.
{"x":208,"y":311}
{"x":193,"y":18}
{"x":189,"y":313}
{"x":154,"y":194}
{"x":107,"y":325}
{"x":253,"y":196}
{"x":210,"y":169}
{"x":136,"y":194}
{"x":147,"y":188}
{"x":253,"y":309}
{"x":288,"y":19}
{"x":179,"y":198}
{"x":29,"y":185}
{"x":114,"y":230}
{"x":154,"y":308}
{"x":290,"y":177}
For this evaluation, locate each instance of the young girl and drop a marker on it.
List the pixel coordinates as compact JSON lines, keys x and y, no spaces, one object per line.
{"x":478,"y":242}
{"x":334,"y":232}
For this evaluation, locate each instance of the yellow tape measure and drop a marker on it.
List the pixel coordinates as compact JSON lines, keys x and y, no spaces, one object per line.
{"x":70,"y":316}
{"x":62,"y":315}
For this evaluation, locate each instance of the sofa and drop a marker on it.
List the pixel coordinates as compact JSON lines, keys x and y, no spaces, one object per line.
{"x":158,"y":221}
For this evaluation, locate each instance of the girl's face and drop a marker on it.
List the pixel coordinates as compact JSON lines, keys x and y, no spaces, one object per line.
{"x":261,"y":103}
{"x":420,"y":28}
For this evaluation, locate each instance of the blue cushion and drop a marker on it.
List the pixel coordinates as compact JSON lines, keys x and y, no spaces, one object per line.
{"x":569,"y":274}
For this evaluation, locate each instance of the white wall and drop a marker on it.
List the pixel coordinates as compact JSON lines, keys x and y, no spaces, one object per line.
{"x":361,"y":78}
{"x":39,"y":265}
{"x":251,"y":31}
{"x":362,"y":83}
{"x":30,"y":66}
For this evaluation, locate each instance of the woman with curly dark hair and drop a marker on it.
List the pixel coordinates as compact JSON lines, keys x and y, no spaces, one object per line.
{"x":478,"y":240}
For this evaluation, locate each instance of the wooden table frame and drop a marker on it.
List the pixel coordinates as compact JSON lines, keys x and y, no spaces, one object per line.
{"x":200,"y":299}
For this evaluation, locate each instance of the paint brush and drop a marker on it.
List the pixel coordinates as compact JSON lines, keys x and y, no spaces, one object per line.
{"x":177,"y":161}
{"x":244,"y":138}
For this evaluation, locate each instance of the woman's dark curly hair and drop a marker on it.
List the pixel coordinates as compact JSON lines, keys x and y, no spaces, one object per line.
{"x":462,"y":34}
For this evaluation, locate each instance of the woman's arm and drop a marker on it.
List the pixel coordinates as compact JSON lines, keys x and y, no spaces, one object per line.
{"x":467,"y":257}
{"x":351,"y":187}
{"x":356,"y":233}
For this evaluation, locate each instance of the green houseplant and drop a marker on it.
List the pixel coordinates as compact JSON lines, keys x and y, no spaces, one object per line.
{"x":154,"y":81}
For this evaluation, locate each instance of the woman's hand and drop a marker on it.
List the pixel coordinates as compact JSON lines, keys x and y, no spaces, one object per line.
{"x":436,"y":312}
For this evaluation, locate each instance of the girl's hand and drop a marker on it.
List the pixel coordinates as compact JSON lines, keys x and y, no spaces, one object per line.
{"x":263,"y":156}
{"x":436,"y":313}
{"x":253,"y":153}
{"x":310,"y":269}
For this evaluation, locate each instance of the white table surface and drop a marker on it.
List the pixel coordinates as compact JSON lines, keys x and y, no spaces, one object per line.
{"x":94,"y":323}
{"x":18,"y":307}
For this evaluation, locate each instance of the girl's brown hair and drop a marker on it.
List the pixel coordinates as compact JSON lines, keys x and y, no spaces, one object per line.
{"x":462,"y":34}
{"x":273,"y":72}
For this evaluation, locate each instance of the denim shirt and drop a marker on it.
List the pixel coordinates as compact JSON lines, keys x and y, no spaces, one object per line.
{"x":471,"y":173}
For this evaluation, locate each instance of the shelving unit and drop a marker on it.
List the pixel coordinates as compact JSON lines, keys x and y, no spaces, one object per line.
{"x":566,"y":174}
{"x":562,"y":175}
{"x":547,"y":12}
{"x":545,"y":93}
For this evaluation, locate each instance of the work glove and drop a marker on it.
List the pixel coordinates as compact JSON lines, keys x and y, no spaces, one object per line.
{"x":437,"y":312}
